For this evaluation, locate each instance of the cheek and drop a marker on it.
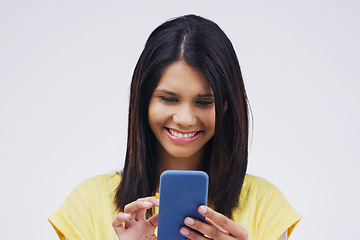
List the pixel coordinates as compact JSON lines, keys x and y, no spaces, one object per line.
{"x":208,"y":119}
{"x":157,"y":114}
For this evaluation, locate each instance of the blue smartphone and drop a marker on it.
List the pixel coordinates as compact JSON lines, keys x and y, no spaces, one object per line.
{"x":181,"y":194}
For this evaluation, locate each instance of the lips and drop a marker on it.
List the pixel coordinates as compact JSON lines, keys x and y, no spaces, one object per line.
{"x":182,"y":137}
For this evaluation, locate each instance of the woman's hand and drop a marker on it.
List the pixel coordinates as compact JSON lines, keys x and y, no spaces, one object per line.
{"x":216,"y":226}
{"x":132,"y":223}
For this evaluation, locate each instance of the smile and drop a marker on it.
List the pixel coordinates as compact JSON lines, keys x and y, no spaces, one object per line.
{"x":180,"y":137}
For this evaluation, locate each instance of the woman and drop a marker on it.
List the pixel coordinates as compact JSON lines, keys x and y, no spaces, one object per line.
{"x":188,"y":110}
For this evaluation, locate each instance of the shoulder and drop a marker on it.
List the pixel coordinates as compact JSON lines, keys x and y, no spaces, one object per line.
{"x":100,"y":181}
{"x":251,"y":180}
{"x":97,"y":185}
{"x":91,"y":189}
{"x":264,"y":209}
{"x":258,"y":186}
{"x":263,"y":194}
{"x":91,"y":199}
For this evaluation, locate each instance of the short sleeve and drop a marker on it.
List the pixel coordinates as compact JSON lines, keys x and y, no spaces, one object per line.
{"x":73,"y":219}
{"x":88,"y":212}
{"x":278,"y":215}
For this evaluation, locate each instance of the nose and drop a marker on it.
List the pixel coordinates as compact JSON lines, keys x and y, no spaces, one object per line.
{"x":185,"y":116}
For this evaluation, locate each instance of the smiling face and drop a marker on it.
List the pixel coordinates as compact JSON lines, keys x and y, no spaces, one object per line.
{"x":182,"y":112}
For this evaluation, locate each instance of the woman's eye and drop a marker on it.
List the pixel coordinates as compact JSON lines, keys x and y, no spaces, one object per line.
{"x":205,"y":103}
{"x":168,"y":99}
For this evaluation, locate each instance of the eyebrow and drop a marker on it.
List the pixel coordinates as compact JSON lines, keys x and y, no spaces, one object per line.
{"x":175,"y":94}
{"x":166,"y":91}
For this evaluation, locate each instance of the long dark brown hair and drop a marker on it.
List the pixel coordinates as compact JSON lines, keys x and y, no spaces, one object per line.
{"x":205,"y":47}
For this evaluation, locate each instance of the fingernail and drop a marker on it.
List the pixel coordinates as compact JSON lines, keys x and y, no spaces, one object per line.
{"x":189,"y":221}
{"x":184,"y":231}
{"x":147,"y":204}
{"x":202,"y":210}
{"x":126,"y":215}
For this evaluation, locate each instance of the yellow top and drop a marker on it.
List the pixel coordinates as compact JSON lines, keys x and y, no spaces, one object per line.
{"x":88,"y":211}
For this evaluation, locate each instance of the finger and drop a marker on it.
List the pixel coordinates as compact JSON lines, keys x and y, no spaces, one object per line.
{"x":148,"y":202}
{"x":208,"y":221}
{"x":154,"y":220}
{"x":139,"y":207}
{"x":120,"y":218}
{"x":141,"y":213}
{"x":118,"y":222}
{"x":141,"y":203}
{"x":205,"y":228}
{"x":191,"y":234}
{"x":222,"y":221}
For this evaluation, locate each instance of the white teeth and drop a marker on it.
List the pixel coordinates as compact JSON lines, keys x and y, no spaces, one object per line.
{"x":180,"y":135}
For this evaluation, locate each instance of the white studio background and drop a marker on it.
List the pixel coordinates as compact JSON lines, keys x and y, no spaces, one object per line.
{"x":65,"y":70}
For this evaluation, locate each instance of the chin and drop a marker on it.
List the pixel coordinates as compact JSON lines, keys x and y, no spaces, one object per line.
{"x":181,"y":153}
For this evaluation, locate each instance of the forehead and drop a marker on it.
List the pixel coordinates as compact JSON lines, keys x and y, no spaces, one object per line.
{"x":180,"y":77}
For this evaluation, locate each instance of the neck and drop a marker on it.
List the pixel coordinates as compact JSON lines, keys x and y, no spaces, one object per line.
{"x":167,"y":162}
